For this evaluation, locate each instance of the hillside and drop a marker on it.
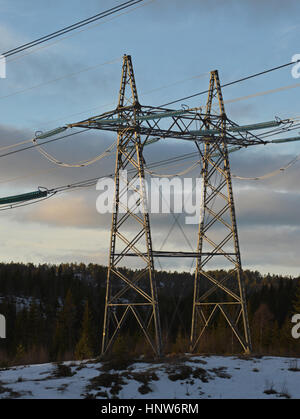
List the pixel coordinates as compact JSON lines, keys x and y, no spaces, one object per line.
{"x":49,"y":308}
{"x":188,"y":377}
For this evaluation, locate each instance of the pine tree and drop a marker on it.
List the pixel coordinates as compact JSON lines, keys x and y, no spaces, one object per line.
{"x":181,"y":342}
{"x":65,"y":332}
{"x":262,"y":327}
{"x":83,"y":348}
{"x":34,"y":330}
{"x":20,"y":354}
{"x":288,"y":345}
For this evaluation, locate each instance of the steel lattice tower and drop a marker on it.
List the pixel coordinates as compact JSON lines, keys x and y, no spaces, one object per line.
{"x":130,"y":230}
{"x":217,"y":248}
{"x":218,"y":243}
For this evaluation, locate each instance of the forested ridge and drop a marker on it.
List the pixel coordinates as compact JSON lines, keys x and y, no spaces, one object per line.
{"x":55,"y":313}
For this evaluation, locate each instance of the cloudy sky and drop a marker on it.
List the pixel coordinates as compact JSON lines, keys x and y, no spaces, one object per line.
{"x":174,"y":44}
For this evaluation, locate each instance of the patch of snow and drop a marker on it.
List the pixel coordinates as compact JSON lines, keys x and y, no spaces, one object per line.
{"x":225,"y":377}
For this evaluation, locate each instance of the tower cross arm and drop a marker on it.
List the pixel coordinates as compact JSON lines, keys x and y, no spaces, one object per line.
{"x":178,"y":124}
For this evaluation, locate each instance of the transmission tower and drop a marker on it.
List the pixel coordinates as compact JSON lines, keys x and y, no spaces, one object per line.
{"x":218,"y":244}
{"x":130,"y":230}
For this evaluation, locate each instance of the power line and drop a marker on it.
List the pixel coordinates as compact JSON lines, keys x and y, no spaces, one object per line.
{"x":279,"y":89}
{"x":92,"y":181}
{"x":82,"y":163}
{"x":75,"y":73}
{"x":72,"y":27}
{"x":79,"y":31}
{"x":234,"y":82}
{"x":44,"y":142}
{"x":293,"y":126}
{"x":89,"y":182}
{"x":25,"y":204}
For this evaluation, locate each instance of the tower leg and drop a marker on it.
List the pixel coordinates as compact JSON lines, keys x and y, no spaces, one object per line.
{"x":126,"y":293}
{"x":222,"y":293}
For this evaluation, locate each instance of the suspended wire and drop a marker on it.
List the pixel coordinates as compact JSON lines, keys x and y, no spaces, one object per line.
{"x":60,"y":78}
{"x":89,"y":69}
{"x":82,"y":163}
{"x":12,"y":206}
{"x":177,"y":159}
{"x":71,"y":27}
{"x":276,"y":130}
{"x":233,"y":82}
{"x":78,"y":32}
{"x":145,"y":93}
{"x":267,"y":92}
{"x":45,"y":142}
{"x":7,"y":147}
{"x":270,"y":174}
{"x":180,"y":164}
{"x":175,"y":83}
{"x":112,"y":11}
{"x":93,"y":181}
{"x":185,"y":171}
{"x":34,"y":173}
{"x":69,"y":36}
{"x":87,"y":162}
{"x":112,"y":104}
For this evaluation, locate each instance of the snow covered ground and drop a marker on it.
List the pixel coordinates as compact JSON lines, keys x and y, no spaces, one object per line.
{"x":189,"y":377}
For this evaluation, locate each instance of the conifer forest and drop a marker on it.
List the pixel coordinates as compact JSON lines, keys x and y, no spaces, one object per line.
{"x":55,"y":313}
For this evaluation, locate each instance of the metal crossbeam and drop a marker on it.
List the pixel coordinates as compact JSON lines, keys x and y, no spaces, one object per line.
{"x":166,"y":254}
{"x":187,"y":124}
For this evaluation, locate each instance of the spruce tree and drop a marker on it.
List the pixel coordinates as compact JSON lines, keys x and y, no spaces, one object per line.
{"x":65,"y":332}
{"x":83,"y":348}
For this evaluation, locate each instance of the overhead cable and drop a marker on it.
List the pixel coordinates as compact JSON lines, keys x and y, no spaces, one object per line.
{"x":82,"y":163}
{"x":270,"y":174}
{"x":234,"y":82}
{"x":72,"y":27}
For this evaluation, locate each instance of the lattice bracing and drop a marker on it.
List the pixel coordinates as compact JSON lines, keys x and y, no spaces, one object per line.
{"x":218,"y":245}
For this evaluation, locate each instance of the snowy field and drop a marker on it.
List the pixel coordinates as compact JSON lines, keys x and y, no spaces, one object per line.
{"x":189,"y":377}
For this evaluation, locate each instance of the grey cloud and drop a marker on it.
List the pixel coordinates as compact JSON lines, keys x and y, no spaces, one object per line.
{"x":265,"y":160}
{"x":269,"y":247}
{"x":34,"y":170}
{"x":267,"y":207}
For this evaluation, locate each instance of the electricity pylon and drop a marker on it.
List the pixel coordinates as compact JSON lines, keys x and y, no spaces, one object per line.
{"x":130,"y":230}
{"x":218,"y":244}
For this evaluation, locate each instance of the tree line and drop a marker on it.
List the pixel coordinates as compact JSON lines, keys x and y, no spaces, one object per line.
{"x":55,"y":313}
